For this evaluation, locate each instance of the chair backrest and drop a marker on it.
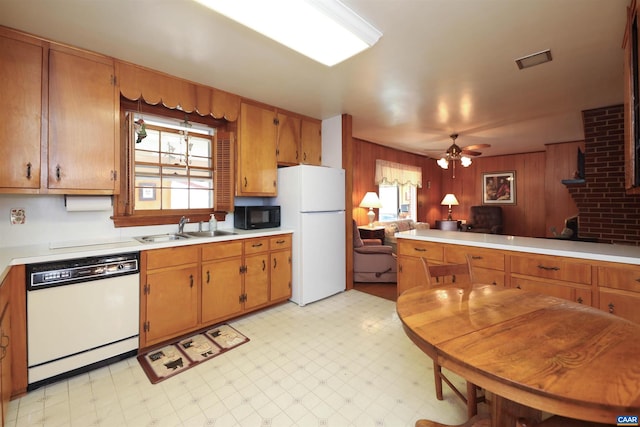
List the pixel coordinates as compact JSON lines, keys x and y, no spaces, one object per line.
{"x":448,"y":274}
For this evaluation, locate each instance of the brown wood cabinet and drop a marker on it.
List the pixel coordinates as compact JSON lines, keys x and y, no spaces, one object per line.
{"x":222,"y":268}
{"x":257,"y":170}
{"x":21,"y":111}
{"x":170,"y":283}
{"x":488,"y":265}
{"x":280,"y":280}
{"x":6,"y":385}
{"x":311,"y":142}
{"x":410,"y":269}
{"x":193,"y":287}
{"x":612,"y":287}
{"x":288,"y":139}
{"x":619,"y":290}
{"x":83,"y":153}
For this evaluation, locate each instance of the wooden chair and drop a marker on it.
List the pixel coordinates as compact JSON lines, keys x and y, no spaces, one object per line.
{"x":449,"y":275}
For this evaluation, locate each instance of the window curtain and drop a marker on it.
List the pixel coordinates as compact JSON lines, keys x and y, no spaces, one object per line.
{"x":396,"y":173}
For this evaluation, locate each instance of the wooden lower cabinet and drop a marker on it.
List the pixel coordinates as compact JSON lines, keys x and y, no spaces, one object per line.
{"x":6,"y":385}
{"x":188,"y":288}
{"x":579,"y":294}
{"x":169,"y":299}
{"x":613,"y":287}
{"x":280,"y":256}
{"x":222,"y":266}
{"x":410,"y":269}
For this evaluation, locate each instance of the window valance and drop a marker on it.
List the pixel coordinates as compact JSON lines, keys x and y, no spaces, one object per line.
{"x":397,"y":173}
{"x":154,"y":87}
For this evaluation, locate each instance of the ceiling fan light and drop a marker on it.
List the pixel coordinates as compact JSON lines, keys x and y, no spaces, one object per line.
{"x":443,"y":163}
{"x":465,"y":161}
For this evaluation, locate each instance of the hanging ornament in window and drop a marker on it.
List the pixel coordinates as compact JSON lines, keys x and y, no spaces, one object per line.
{"x":141,"y":130}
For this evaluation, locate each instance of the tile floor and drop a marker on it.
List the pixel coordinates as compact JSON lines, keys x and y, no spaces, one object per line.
{"x":342,"y":361}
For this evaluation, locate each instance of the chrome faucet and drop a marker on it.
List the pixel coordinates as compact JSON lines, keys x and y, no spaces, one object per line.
{"x":181,"y":224}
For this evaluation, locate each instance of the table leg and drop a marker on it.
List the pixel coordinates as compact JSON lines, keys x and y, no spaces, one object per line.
{"x":477,"y":421}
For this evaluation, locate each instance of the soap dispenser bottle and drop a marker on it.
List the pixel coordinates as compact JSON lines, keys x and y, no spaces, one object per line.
{"x":213,"y":223}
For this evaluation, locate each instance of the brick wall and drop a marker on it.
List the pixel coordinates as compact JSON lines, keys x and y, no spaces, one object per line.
{"x":606,"y":212}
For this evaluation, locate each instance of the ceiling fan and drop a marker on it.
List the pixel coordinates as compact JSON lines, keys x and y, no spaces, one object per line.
{"x":454,"y":152}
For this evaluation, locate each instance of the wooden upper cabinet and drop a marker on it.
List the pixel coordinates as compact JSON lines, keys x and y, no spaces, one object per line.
{"x":311,"y":142}
{"x":257,"y":164}
{"x":83,"y":153}
{"x":288,"y":141}
{"x":21,"y":111}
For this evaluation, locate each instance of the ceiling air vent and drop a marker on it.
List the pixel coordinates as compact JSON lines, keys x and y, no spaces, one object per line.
{"x":534,"y":59}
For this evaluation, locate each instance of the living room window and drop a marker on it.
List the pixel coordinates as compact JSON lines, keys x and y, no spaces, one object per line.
{"x":397,"y":188}
{"x":398,"y":202}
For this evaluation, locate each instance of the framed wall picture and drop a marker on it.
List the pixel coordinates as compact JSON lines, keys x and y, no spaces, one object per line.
{"x":499,"y":188}
{"x":147,"y":191}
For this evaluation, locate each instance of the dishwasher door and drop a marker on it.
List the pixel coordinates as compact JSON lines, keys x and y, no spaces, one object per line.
{"x":75,"y":325}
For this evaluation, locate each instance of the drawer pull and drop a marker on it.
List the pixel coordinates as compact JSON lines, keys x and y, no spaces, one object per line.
{"x":579,"y":300}
{"x":280,"y":242}
{"x":256,"y":245}
{"x":542,"y":267}
{"x":476,"y":257}
{"x":420,"y":249}
{"x":611,"y":307}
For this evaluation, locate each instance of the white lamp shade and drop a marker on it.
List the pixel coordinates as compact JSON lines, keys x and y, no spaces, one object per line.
{"x":449,"y":200}
{"x":370,"y":200}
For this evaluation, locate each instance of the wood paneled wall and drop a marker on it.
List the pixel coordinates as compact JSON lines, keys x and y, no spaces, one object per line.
{"x":364,"y":167}
{"x":526,"y":218}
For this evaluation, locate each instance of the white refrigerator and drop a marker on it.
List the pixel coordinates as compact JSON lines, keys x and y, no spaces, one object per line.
{"x":311,"y":200}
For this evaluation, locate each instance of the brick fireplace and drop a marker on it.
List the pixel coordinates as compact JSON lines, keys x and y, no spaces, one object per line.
{"x":606,"y":212}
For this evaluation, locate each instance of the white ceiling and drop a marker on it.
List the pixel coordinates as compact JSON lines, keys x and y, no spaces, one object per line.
{"x":441,"y":66}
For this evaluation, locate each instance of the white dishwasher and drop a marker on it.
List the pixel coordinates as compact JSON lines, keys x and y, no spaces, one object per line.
{"x":81,"y":313}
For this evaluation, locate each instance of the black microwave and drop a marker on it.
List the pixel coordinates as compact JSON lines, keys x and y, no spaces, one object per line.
{"x":252,"y":217}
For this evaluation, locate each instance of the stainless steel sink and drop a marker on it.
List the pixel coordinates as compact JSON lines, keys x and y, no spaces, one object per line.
{"x":213,"y":233}
{"x":158,"y":238}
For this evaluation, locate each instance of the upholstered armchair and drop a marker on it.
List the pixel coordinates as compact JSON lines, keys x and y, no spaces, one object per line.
{"x":485,"y":219}
{"x":372,"y":261}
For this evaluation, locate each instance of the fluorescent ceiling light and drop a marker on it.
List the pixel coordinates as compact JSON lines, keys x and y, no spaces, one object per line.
{"x":534,"y":59}
{"x":324,"y":30}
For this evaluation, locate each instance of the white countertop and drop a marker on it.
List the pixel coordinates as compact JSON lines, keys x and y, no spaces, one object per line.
{"x":18,"y":255}
{"x":557,"y":247}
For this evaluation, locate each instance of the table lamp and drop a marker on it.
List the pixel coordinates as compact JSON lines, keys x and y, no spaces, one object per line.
{"x":370,"y":200}
{"x":449,"y":199}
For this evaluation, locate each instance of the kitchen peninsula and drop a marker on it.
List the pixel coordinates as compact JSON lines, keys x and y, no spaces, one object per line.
{"x":600,"y":275}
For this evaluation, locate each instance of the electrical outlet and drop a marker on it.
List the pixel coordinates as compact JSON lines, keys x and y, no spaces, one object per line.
{"x":18,"y":216}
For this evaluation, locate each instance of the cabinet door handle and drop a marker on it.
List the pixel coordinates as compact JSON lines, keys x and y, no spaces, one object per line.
{"x":208,"y":276}
{"x":579,"y":300}
{"x":245,"y":182}
{"x":29,"y":170}
{"x":264,"y":265}
{"x":542,"y":267}
{"x":611,"y":307}
{"x":58,"y":172}
{"x":304,"y":157}
{"x":191,"y":280}
{"x":275,"y":263}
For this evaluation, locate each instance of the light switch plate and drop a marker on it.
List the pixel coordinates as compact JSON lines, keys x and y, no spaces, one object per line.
{"x":18,"y":216}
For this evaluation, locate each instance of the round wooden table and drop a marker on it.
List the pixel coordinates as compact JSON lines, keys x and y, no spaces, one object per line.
{"x":533,"y":352}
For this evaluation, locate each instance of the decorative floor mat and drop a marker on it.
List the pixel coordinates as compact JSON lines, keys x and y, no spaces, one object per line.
{"x":162,"y":363}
